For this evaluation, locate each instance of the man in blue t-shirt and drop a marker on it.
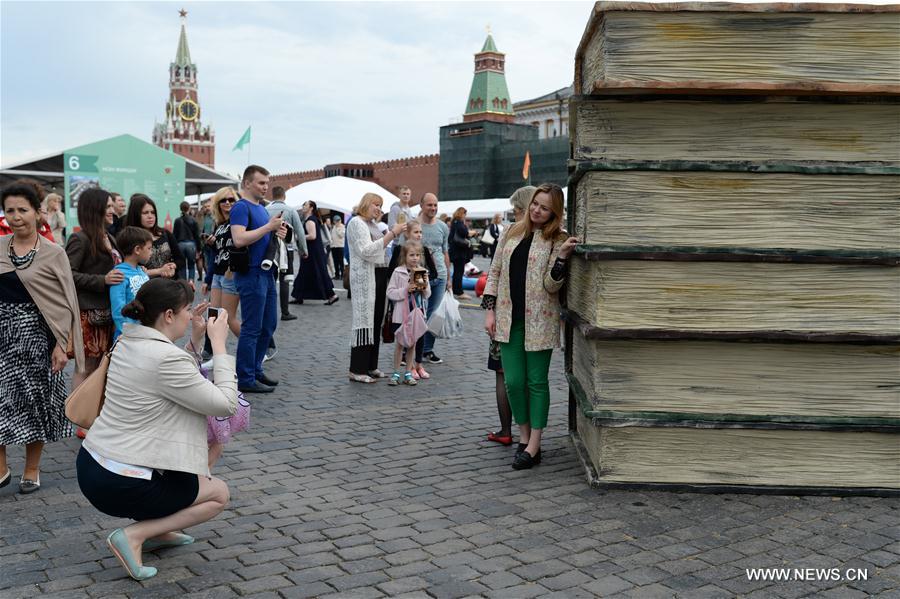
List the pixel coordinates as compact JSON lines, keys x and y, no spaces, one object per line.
{"x":252,"y":227}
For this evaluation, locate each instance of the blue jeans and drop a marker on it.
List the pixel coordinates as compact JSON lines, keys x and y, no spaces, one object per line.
{"x":438,"y":287}
{"x":259,"y":317}
{"x":189,"y":253}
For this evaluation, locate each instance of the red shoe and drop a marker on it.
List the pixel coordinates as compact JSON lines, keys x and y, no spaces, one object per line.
{"x":498,"y":439}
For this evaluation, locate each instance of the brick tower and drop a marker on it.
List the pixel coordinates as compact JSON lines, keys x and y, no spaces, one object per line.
{"x":489,"y":98}
{"x":182,"y":132}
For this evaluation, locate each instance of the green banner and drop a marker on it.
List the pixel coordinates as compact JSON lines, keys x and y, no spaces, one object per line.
{"x":125,"y":165}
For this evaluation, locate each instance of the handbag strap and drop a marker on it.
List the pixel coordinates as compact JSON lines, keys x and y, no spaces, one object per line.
{"x":113,"y":346}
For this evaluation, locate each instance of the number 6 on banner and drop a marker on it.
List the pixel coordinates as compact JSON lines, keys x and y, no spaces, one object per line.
{"x":73,"y":163}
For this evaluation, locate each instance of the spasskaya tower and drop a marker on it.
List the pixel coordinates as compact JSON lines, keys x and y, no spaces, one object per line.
{"x":183,"y":132}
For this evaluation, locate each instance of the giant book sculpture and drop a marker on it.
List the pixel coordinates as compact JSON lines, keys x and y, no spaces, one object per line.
{"x":733,"y":317}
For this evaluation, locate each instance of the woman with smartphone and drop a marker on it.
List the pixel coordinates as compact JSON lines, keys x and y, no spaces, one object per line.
{"x":219,"y":280}
{"x":160,"y":477}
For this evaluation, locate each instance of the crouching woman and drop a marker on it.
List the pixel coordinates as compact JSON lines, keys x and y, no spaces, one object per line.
{"x":146,"y":456}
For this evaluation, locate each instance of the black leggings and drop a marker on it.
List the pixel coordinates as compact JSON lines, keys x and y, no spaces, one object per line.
{"x":364,"y":359}
{"x":459,"y":268}
{"x":337,"y":256}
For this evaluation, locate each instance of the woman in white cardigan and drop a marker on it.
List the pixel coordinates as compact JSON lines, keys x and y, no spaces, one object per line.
{"x":368,"y":280}
{"x":145,"y":457}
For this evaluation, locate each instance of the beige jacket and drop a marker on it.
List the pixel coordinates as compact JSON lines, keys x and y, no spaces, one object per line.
{"x":157,"y":402}
{"x":541,"y":291}
{"x":50,"y":284}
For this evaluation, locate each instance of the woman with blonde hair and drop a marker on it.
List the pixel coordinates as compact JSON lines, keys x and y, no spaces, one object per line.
{"x":517,"y":201}
{"x":55,"y":217}
{"x":219,"y":280}
{"x":369,"y":275}
{"x":522,"y":312}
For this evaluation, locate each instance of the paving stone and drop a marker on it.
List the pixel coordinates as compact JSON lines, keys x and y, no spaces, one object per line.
{"x":258,"y":585}
{"x":355,"y":581}
{"x":457,"y":588}
{"x":500,"y":580}
{"x":608,"y":585}
{"x":403,"y":585}
{"x":565,"y":580}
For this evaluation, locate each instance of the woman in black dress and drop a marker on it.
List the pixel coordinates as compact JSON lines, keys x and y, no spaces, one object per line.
{"x":313,"y":281}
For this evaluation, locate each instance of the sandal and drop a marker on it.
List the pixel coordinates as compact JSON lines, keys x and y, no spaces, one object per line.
{"x":361,"y":378}
{"x":492,"y":436}
{"x":409,"y":380}
{"x":377,"y":374}
{"x":422,"y":373}
{"x":395,"y":379}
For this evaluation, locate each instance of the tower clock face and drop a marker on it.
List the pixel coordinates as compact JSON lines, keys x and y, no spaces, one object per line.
{"x":188,"y":110}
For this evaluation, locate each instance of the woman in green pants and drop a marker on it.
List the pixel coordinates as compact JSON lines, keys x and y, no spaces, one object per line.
{"x":522,"y":312}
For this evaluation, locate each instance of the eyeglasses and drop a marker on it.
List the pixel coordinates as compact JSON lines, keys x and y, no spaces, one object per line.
{"x":227,"y":201}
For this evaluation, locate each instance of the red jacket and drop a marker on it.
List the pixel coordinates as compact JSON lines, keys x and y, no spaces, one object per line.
{"x":44,"y":230}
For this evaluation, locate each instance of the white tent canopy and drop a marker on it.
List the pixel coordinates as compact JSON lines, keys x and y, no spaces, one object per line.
{"x":336,"y":193}
{"x":478,"y":209}
{"x":475,"y":209}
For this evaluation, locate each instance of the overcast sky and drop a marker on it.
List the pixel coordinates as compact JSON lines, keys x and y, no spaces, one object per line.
{"x":319,"y":82}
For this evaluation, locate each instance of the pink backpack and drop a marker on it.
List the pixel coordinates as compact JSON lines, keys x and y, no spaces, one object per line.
{"x":413,"y":326}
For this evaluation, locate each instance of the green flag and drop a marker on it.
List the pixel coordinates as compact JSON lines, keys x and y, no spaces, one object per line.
{"x":244,"y":140}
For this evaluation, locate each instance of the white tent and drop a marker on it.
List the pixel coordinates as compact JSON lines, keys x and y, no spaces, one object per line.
{"x":478,"y":209}
{"x":337,"y":193}
{"x":475,"y":209}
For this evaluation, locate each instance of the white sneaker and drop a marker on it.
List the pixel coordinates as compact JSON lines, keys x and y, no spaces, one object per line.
{"x":270,"y":353}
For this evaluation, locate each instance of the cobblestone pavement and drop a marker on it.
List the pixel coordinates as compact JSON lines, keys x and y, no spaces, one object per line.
{"x":348,"y":490}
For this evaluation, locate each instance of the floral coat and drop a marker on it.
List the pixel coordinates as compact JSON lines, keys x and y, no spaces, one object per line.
{"x":541,"y":291}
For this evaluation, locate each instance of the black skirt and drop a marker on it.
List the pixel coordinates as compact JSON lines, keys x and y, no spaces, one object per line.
{"x":135,"y":498}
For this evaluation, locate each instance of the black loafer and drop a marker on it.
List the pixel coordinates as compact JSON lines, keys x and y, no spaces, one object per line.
{"x":255,"y":387}
{"x":289,"y":317}
{"x":267,"y":381}
{"x":521,"y":448}
{"x":524,"y":460}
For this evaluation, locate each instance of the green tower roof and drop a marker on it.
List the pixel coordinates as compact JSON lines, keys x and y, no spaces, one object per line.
{"x":183,"y":55}
{"x":489,"y":93}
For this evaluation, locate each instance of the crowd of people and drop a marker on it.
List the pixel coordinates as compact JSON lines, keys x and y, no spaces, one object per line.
{"x":123,"y":286}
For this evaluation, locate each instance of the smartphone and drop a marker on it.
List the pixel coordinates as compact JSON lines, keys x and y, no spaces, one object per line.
{"x":212,"y":313}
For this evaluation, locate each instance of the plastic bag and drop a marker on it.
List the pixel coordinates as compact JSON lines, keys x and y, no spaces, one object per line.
{"x":445,"y":321}
{"x":413,"y":326}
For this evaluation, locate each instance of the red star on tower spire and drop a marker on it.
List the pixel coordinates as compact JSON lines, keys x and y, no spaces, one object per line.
{"x":182,"y":13}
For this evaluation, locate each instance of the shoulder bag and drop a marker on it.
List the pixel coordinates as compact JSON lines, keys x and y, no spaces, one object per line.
{"x":83,"y":405}
{"x":239,"y":257}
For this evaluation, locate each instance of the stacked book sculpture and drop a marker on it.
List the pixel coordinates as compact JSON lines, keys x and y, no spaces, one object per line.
{"x":734,"y":308}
